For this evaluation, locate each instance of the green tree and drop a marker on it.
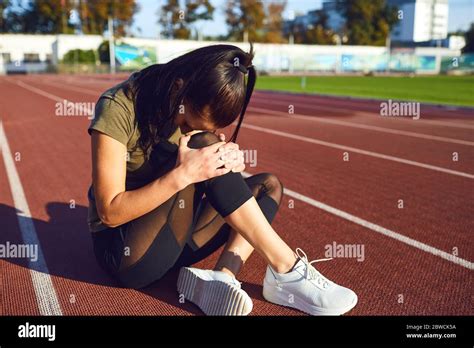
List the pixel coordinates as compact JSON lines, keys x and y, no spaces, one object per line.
{"x":54,"y":16}
{"x":245,"y":17}
{"x":170,"y":18}
{"x":41,"y":16}
{"x":79,"y":56}
{"x":368,"y":22}
{"x":320,"y":33}
{"x":4,"y":6}
{"x":94,"y":15}
{"x":104,"y":53}
{"x":273,"y":22}
{"x":469,"y":36}
{"x":316,"y":33}
{"x":178,"y":22}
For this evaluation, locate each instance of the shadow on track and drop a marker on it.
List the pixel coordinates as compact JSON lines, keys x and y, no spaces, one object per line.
{"x":67,"y":249}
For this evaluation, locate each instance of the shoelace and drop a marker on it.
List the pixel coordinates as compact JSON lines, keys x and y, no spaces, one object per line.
{"x":235,"y":282}
{"x":311,"y":272}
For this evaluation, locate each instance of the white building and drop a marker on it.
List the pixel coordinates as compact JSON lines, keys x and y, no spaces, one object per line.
{"x":420,"y":20}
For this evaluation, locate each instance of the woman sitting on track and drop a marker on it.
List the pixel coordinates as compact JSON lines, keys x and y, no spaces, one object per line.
{"x":161,"y":200}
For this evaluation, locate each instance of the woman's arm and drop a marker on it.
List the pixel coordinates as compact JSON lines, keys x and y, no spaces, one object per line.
{"x":116,"y":206}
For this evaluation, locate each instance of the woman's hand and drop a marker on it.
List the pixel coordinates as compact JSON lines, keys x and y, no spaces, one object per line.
{"x":232,"y":156}
{"x":197,"y":165}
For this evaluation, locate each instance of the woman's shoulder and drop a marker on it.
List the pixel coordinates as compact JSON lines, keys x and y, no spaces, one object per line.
{"x":121,"y":93}
{"x":114,"y":113}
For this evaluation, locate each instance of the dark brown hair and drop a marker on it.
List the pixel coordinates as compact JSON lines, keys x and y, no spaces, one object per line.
{"x":213,"y":87}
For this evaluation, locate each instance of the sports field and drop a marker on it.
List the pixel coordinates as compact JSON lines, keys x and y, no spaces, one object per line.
{"x":390,"y":198}
{"x":455,"y":90}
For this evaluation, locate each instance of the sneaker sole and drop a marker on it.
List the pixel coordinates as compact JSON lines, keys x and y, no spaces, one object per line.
{"x":211,"y":296}
{"x":282,"y":299}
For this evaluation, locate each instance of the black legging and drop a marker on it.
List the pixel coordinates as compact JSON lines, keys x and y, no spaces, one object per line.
{"x":187,"y":227}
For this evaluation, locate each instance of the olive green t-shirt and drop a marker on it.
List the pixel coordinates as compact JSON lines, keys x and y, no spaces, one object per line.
{"x":115,"y":116}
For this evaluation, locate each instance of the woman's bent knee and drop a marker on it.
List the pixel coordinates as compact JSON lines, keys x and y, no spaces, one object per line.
{"x":268,"y":184}
{"x":274,"y":187}
{"x":202,"y":139}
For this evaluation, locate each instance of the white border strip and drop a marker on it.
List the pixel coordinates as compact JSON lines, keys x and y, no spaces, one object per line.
{"x":48,"y":303}
{"x":376,"y":228}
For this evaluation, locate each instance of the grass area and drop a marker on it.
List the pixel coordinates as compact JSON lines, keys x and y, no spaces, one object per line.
{"x":454,"y":90}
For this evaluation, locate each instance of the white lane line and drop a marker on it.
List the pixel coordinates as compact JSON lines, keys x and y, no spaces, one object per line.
{"x":48,"y":303}
{"x":359,"y":151}
{"x":72,"y":88}
{"x":77,"y":106}
{"x":40,"y":92}
{"x":362,"y":126}
{"x":306,"y":139}
{"x":376,"y":228}
{"x":355,"y":112}
{"x":447,"y":124}
{"x":86,"y":83}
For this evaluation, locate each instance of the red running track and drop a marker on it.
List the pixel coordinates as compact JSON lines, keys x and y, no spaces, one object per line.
{"x":417,"y":260}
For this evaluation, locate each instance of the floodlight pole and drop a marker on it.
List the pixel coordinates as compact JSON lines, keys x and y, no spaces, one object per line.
{"x":388,"y":45}
{"x":111,"y":45}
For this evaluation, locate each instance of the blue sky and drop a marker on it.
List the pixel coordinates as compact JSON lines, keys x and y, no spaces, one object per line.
{"x":461,"y":14}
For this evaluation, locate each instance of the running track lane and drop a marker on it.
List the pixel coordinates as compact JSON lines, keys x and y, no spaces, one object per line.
{"x":337,"y":103}
{"x":289,"y":229}
{"x":434,"y":222}
{"x":17,"y":296}
{"x":458,"y":123}
{"x":401,"y":146}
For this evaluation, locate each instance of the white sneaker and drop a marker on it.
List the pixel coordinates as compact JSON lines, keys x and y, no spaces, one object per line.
{"x":215,"y":292}
{"x":306,"y":289}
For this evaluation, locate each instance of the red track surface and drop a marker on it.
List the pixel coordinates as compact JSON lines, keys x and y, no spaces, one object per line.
{"x":438,"y":206}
